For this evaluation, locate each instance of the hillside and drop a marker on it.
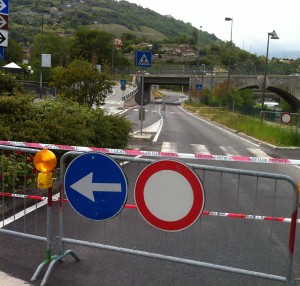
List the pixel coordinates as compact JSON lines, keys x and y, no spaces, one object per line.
{"x":117,"y":17}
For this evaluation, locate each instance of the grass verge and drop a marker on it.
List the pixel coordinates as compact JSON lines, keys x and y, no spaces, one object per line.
{"x":275,"y":134}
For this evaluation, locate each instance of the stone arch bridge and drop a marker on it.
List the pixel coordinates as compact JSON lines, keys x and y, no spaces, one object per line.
{"x":287,"y":87}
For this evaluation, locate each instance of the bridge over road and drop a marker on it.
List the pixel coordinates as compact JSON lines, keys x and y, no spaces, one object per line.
{"x":287,"y":87}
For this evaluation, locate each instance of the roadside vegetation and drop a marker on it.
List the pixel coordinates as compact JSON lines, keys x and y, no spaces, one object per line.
{"x":60,"y":121}
{"x":274,"y":133}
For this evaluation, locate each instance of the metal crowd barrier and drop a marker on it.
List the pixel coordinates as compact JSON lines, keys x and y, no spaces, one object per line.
{"x":248,"y":225}
{"x":17,"y":181}
{"x":130,"y":95}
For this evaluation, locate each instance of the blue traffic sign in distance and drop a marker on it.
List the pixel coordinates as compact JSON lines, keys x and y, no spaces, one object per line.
{"x":96,"y":186}
{"x":199,"y":86}
{"x":143,"y":59}
{"x":1,"y":53}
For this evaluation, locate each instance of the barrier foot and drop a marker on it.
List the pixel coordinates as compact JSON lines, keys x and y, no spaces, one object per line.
{"x":53,"y":262}
{"x":40,"y":267}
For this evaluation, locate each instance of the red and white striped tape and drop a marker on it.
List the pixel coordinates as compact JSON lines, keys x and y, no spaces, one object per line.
{"x":132,"y":206}
{"x":265,"y":160}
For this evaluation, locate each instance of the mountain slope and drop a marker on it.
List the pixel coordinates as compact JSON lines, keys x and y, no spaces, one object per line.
{"x":116,"y":17}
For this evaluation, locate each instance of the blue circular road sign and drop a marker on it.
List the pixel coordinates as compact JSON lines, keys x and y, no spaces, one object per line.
{"x":96,"y":186}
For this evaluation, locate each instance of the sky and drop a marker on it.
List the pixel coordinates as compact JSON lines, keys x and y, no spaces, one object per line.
{"x":252,"y":21}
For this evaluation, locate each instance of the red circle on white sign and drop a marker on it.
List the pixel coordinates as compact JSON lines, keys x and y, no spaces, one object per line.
{"x":169,"y":195}
{"x":286,"y":117}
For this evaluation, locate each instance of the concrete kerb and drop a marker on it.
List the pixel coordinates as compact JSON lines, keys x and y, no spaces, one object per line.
{"x":142,"y":136}
{"x":7,"y":280}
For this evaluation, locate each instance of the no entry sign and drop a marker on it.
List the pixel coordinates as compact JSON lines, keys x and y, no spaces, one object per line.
{"x":169,"y":195}
{"x":286,"y":118}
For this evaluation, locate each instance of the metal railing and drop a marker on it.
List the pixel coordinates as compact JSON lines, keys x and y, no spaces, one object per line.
{"x":247,"y":227}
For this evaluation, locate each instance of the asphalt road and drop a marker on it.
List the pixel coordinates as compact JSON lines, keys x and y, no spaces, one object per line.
{"x":249,"y":244}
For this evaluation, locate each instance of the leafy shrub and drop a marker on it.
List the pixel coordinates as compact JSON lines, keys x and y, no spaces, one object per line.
{"x":17,"y":171}
{"x":8,"y":84}
{"x":60,"y":122}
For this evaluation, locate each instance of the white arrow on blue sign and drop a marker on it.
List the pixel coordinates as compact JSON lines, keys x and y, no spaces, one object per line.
{"x":96,"y":186}
{"x":4,"y":6}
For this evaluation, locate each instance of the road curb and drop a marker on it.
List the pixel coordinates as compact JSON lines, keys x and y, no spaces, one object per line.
{"x":7,"y":280}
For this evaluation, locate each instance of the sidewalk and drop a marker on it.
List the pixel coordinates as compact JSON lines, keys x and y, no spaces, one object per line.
{"x":7,"y":280}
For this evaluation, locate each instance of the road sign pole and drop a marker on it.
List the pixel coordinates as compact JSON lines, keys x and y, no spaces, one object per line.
{"x":142,"y":102}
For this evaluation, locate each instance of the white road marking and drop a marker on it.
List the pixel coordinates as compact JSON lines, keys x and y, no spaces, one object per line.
{"x":229,"y":151}
{"x":258,"y":153}
{"x":169,"y":147}
{"x":200,"y":149}
{"x":25,"y":212}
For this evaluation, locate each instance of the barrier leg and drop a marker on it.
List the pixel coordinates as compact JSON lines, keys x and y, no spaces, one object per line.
{"x":49,"y":229}
{"x":51,"y":260}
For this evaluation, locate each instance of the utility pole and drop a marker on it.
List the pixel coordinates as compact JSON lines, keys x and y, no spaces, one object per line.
{"x":198,"y":44}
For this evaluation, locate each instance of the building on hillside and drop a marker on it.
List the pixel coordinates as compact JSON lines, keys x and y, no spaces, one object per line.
{"x":118,"y":43}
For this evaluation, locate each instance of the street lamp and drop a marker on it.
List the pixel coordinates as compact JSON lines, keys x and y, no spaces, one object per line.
{"x":198,"y":44}
{"x":27,"y":72}
{"x":203,"y":70}
{"x":273,"y":36}
{"x":230,"y":47}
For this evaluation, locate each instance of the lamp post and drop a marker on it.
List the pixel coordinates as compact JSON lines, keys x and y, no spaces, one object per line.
{"x":198,"y":44}
{"x":27,"y":72}
{"x":273,"y":36}
{"x":203,"y":70}
{"x":230,"y":48}
{"x":229,"y":59}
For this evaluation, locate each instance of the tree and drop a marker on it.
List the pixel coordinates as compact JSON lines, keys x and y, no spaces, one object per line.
{"x":53,"y":44}
{"x":155,"y":47}
{"x":14,"y":52}
{"x":82,"y":82}
{"x":93,"y":45}
{"x":8,"y":84}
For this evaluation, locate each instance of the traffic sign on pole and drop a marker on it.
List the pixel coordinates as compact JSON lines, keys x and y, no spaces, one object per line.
{"x":4,"y":6}
{"x":169,"y":195}
{"x":3,"y":21}
{"x":198,"y":86}
{"x":286,"y":118}
{"x":96,"y":186}
{"x":3,"y":38}
{"x":143,"y":59}
{"x":1,"y":53}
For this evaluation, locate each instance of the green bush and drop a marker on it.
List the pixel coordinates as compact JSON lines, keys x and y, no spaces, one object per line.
{"x":60,"y":122}
{"x":17,"y":171}
{"x":8,"y":84}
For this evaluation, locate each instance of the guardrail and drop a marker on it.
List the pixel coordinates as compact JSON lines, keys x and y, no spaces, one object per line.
{"x":131,"y":94}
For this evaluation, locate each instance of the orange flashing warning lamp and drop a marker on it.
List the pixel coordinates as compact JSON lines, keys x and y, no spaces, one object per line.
{"x":45,"y":162}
